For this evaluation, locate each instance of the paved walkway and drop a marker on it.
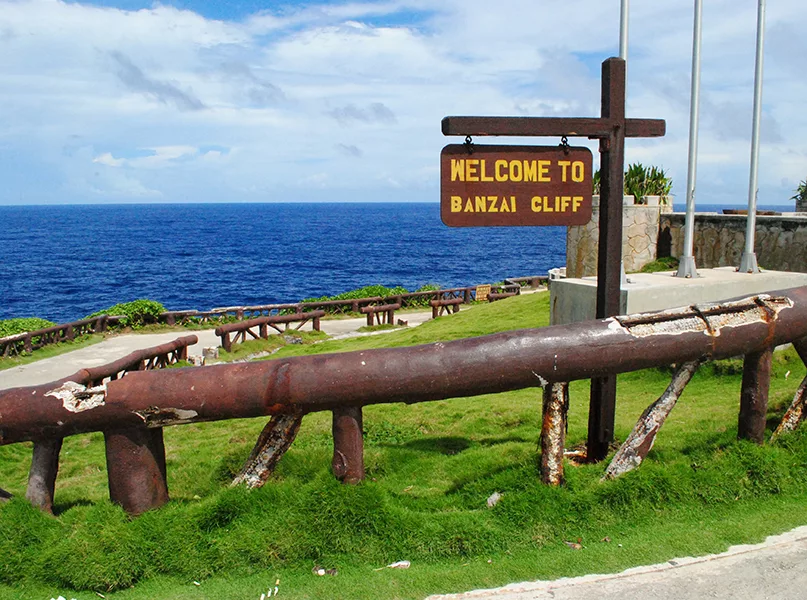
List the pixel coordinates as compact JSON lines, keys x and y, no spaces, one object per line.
{"x":773,"y":569}
{"x":118,"y":346}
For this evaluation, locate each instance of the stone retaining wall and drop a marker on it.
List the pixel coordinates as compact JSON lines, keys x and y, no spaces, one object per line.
{"x":640,"y":228}
{"x":780,"y":244}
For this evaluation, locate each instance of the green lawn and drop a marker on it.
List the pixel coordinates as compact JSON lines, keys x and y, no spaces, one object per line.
{"x":430,"y":469}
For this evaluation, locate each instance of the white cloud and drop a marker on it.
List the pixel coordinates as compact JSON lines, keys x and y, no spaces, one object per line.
{"x":107,"y":159}
{"x":114,"y":104}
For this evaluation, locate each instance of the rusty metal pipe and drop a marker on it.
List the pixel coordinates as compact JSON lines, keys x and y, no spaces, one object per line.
{"x":483,"y":365}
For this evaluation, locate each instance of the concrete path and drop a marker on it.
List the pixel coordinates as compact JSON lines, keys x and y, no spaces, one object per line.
{"x":115,"y":347}
{"x":773,"y":569}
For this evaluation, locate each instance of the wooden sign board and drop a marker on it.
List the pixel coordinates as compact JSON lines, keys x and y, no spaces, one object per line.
{"x":482,"y":292}
{"x":515,"y":185}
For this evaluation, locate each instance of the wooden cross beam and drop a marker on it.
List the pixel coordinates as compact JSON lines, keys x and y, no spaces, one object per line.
{"x":611,"y":128}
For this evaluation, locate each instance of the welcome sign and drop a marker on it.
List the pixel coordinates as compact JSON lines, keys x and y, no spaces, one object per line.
{"x":484,"y":186}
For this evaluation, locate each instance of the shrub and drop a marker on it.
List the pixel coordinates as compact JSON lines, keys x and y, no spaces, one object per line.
{"x":801,"y":196}
{"x":640,"y":182}
{"x":137,"y":312}
{"x":22,"y":325}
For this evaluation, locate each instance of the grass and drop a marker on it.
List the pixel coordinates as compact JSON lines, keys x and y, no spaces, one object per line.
{"x":270,"y":345}
{"x":665,"y":263}
{"x":430,"y":468}
{"x":50,"y":351}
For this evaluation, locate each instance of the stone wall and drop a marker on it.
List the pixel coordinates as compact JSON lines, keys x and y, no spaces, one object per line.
{"x":780,"y":241}
{"x":640,"y":229}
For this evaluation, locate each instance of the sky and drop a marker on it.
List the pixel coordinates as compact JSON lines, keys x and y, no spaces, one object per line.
{"x":125,"y":101}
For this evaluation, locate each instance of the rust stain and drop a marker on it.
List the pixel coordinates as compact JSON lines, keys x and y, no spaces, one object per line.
{"x":154,"y":416}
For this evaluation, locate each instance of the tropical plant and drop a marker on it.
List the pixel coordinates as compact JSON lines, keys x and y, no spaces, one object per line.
{"x":640,"y":182}
{"x":801,"y":196}
{"x":137,"y":312}
{"x":23,"y":325}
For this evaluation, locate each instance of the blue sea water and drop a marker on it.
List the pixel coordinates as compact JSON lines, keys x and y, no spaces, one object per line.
{"x":65,"y":262}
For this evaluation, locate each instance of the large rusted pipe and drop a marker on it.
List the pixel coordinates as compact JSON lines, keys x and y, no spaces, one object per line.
{"x":483,"y":365}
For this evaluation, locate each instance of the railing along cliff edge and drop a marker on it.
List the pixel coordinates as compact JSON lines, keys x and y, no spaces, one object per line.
{"x":343,"y":383}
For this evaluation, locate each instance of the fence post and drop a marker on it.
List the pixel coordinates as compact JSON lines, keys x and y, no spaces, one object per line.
{"x":754,"y":395}
{"x":553,"y":432}
{"x":348,"y":444}
{"x":42,"y":476}
{"x":28,"y":343}
{"x":135,"y":462}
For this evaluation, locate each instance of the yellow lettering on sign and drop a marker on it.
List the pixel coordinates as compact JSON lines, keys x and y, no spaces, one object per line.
{"x":479,"y":201}
{"x":492,"y":204}
{"x":505,"y":206}
{"x":530,"y":170}
{"x":578,"y":171}
{"x":484,"y":176}
{"x":469,"y":207}
{"x":563,"y":164}
{"x":516,"y":173}
{"x":457,"y":169}
{"x":537,"y":203}
{"x":576,"y":202}
{"x":471,"y":164}
{"x":501,"y":170}
{"x":543,"y":170}
{"x":456,"y":203}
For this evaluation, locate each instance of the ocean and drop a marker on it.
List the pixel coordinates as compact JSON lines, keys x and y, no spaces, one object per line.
{"x":64,"y":262}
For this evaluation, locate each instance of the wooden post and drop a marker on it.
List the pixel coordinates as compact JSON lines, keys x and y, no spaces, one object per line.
{"x":754,"y":395}
{"x":135,"y":460}
{"x":794,"y":414}
{"x":42,"y":476}
{"x":602,"y":405}
{"x":640,"y":441}
{"x":276,"y":437}
{"x":553,"y":432}
{"x":348,"y":444}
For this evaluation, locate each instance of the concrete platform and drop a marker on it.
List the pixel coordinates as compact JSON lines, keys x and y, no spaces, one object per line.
{"x":574,"y":300}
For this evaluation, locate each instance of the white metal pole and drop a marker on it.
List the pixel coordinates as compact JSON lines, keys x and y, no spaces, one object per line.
{"x":623,"y":29}
{"x":748,"y":263}
{"x":686,"y":266}
{"x":624,"y":9}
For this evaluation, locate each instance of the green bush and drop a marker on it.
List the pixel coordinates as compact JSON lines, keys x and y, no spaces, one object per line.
{"x":381,"y":291}
{"x":137,"y":312}
{"x":23,"y":324}
{"x":665,"y":263}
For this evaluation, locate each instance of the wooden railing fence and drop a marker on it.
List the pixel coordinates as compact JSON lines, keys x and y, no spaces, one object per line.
{"x":132,"y":410}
